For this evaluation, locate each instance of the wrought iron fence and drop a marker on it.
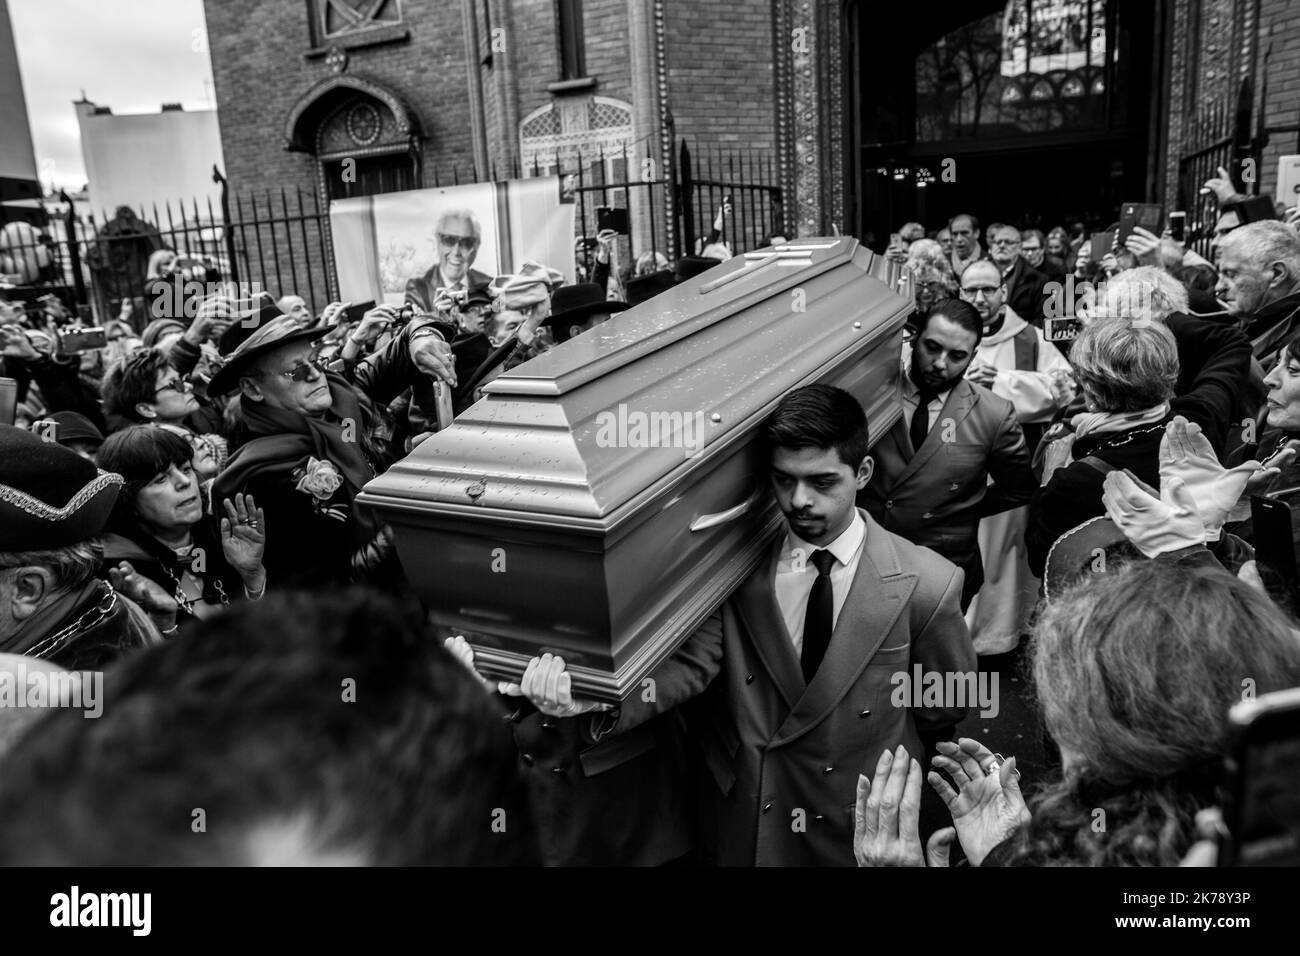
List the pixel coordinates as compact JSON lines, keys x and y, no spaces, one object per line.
{"x":1208,"y":144}
{"x":278,"y":240}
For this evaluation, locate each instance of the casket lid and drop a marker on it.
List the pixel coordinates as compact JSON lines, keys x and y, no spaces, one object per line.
{"x":583,"y":430}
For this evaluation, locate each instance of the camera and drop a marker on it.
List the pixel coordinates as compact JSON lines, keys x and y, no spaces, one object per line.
{"x":1061,"y":330}
{"x":83,"y":340}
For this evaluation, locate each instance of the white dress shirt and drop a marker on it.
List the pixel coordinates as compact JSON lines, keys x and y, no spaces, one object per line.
{"x":795,"y":574}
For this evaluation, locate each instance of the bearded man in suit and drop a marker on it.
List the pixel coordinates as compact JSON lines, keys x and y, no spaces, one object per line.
{"x":931,"y":481}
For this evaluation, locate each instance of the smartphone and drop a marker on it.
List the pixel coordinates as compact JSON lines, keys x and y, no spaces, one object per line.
{"x":1149,"y":216}
{"x":1271,"y":524}
{"x":1262,"y":807}
{"x":8,"y":400}
{"x":356,"y":312}
{"x":608,"y":217}
{"x":83,"y":340}
{"x":1102,"y":243}
{"x":1062,"y":330}
{"x":1178,"y":226}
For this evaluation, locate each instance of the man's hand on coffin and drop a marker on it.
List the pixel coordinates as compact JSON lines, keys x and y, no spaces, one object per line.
{"x":549,"y":688}
{"x":461,"y":650}
{"x":432,"y":355}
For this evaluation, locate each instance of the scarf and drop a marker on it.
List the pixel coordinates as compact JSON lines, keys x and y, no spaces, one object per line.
{"x":284,"y":440}
{"x":1061,"y":451}
{"x":55,"y":615}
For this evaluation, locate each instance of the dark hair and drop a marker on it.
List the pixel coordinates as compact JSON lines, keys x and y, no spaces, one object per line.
{"x":974,"y":223}
{"x":132,"y":382}
{"x":958,"y":311}
{"x":140,"y":454}
{"x":820,"y":416}
{"x":332,"y":723}
{"x":1118,"y":662}
{"x":1292,"y":348}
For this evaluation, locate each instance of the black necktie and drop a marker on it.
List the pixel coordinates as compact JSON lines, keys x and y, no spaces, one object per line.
{"x":818,"y":619}
{"x":921,"y":419}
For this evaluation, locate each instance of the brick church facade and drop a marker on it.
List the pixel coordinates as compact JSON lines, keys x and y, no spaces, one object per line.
{"x":1038,"y":112}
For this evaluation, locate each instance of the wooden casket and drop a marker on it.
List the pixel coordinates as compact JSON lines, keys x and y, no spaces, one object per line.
{"x":603,"y":499}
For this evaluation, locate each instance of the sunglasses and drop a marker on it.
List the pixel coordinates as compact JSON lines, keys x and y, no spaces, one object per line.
{"x":466,"y":243}
{"x":302,"y":370}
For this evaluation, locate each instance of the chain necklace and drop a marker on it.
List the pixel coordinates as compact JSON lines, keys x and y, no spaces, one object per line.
{"x":86,"y":621}
{"x":1128,"y":437}
{"x":178,"y":589}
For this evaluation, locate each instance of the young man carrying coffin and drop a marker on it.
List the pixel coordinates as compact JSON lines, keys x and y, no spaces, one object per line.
{"x":797,"y":672}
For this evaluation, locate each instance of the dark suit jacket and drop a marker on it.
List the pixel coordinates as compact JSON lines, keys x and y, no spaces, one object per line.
{"x":1025,"y":292}
{"x":782,"y":757}
{"x":936,"y":497}
{"x":420,"y":289}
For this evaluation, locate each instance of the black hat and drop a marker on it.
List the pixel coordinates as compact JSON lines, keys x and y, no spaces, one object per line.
{"x":647,"y":287}
{"x":50,"y":497}
{"x":267,"y":338}
{"x":249,"y":322}
{"x":688,"y":267}
{"x":69,"y":426}
{"x":1072,"y":554}
{"x":571,"y":304}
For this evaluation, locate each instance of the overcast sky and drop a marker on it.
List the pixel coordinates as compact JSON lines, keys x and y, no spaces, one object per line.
{"x":131,"y":55}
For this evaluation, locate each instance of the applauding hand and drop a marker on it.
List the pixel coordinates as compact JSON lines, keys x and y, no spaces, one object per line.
{"x":243,"y":540}
{"x":886,"y":818}
{"x":1186,"y":453}
{"x":1155,"y":522}
{"x":987,"y":807}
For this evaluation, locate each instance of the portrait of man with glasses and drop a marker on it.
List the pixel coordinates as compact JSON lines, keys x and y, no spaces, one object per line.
{"x":457,"y":236}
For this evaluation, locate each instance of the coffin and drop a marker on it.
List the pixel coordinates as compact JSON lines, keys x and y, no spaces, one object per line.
{"x":603,"y":499}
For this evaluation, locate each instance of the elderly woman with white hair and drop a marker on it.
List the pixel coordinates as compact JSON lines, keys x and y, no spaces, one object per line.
{"x":1127,"y":370}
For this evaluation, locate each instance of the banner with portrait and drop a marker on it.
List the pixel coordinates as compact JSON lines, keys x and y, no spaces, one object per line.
{"x":444,"y":235}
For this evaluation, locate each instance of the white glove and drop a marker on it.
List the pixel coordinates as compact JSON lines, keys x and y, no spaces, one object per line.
{"x":1186,"y":453}
{"x":1155,"y":525}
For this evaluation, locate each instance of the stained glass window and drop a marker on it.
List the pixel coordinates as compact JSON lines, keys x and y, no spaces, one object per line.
{"x":1037,"y":66}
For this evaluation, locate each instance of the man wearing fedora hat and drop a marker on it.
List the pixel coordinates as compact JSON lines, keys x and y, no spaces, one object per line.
{"x":577,"y":308}
{"x":53,"y":504}
{"x":310,"y":443}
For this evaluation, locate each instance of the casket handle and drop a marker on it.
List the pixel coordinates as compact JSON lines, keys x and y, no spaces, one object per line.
{"x":704,"y":522}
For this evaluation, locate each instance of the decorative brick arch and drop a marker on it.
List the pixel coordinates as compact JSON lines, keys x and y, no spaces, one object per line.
{"x":315,"y":105}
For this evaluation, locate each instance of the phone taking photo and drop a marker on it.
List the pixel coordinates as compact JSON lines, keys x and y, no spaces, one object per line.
{"x":1178,"y":226}
{"x":1262,"y":811}
{"x":1132,"y":215}
{"x":83,"y":340}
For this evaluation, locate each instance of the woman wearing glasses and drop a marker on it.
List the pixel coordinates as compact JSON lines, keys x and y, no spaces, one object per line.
{"x":159,"y":532}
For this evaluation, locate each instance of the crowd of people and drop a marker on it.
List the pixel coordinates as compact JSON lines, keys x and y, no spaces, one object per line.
{"x":178,"y":510}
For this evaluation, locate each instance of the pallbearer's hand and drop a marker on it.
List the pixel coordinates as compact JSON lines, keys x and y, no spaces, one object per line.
{"x":549,"y":687}
{"x":461,"y":650}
